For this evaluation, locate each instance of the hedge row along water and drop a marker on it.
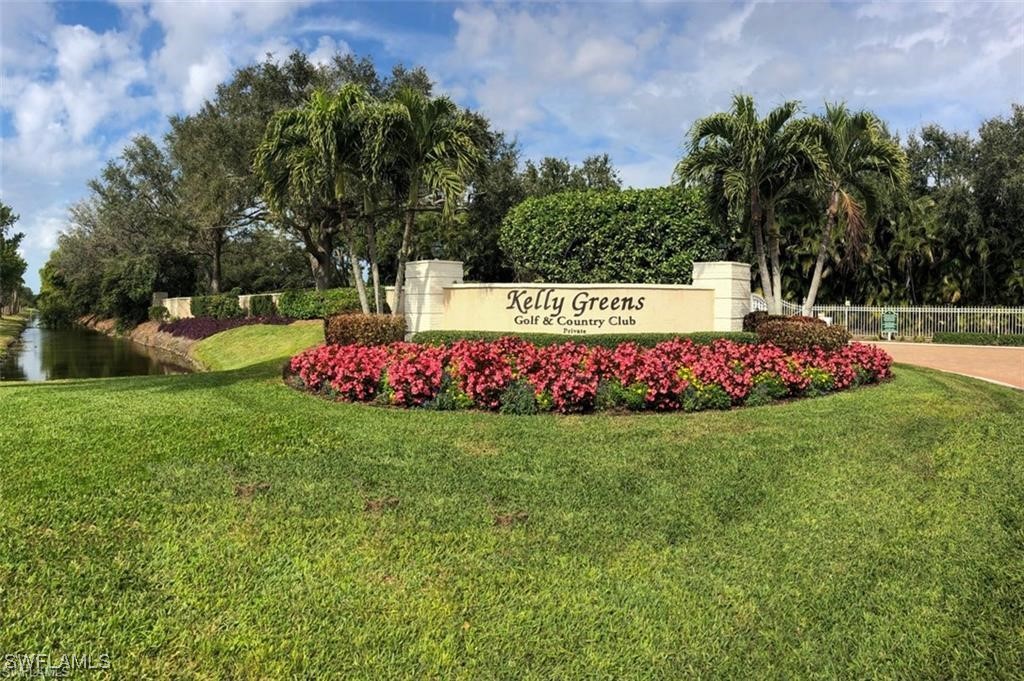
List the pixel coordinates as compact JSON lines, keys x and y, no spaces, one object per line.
{"x":514,"y":376}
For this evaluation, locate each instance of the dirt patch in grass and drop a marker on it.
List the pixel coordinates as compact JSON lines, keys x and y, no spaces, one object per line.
{"x":511,"y":519}
{"x":380,"y":505}
{"x":250,"y":490}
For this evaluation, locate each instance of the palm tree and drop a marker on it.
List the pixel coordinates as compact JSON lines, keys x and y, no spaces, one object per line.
{"x":751,"y":164}
{"x":857,"y":154}
{"x":425,"y":149}
{"x":309,"y":164}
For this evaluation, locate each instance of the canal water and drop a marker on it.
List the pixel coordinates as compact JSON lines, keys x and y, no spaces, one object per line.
{"x":44,"y":354}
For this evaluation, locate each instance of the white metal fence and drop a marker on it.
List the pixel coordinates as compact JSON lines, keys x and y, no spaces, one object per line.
{"x":915,"y":321}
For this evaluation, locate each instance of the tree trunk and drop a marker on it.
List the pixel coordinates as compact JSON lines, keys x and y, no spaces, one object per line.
{"x":321,"y":271}
{"x":218,"y":245}
{"x":357,"y":275}
{"x":819,"y":265}
{"x":403,"y":257}
{"x":773,"y":253}
{"x":759,"y":254}
{"x":319,"y":249}
{"x":371,"y":246}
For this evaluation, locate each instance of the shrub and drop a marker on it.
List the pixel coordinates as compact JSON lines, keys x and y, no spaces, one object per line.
{"x":611,"y":394}
{"x":638,"y":235}
{"x":363,"y":329}
{"x":978,"y":339}
{"x":220,"y":306}
{"x":605,"y":340}
{"x":262,"y":306}
{"x":126,"y":289}
{"x":514,"y":376}
{"x":198,"y":328}
{"x":767,"y":388}
{"x":519,"y":399}
{"x":753,"y":320}
{"x":312,"y":304}
{"x":449,"y":397}
{"x":414,"y":372}
{"x":158,"y":313}
{"x":800,"y":334}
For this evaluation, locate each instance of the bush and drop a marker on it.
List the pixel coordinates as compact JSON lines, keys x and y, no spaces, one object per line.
{"x":126,"y":289}
{"x":979,"y":339}
{"x":753,"y":320}
{"x":363,"y":329}
{"x":800,"y":334}
{"x":219,"y":306}
{"x":159,"y":313}
{"x":611,"y":394}
{"x":262,"y":306}
{"x":519,"y":399}
{"x":449,"y":397}
{"x":767,"y":388}
{"x":515,"y":377}
{"x":605,"y":340}
{"x":638,"y":235}
{"x":198,"y":328}
{"x":312,"y":304}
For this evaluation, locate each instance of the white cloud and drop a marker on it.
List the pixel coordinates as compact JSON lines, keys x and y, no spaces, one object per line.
{"x":567,"y":80}
{"x":24,"y":32}
{"x":204,"y":41}
{"x":202,"y":79}
{"x":326,"y":49}
{"x":631,"y":80}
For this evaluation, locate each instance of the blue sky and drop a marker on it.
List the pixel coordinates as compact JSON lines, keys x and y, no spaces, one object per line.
{"x":80,"y":79}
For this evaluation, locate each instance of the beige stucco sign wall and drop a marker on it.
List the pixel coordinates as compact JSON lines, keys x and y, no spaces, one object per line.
{"x":578,"y":309}
{"x":437,"y":299}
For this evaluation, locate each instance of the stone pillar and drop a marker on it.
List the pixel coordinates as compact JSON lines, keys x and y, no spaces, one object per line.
{"x":424,"y":291}
{"x":731,"y":282}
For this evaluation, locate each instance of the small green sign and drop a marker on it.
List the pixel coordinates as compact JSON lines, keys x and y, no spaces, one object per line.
{"x":889,"y":322}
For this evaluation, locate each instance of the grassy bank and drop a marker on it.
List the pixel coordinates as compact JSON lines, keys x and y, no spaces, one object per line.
{"x":10,"y":328}
{"x":222,"y":525}
{"x":249,"y":345}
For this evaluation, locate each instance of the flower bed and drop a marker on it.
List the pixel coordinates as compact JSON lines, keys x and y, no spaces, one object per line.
{"x":198,"y":328}
{"x":514,"y":376}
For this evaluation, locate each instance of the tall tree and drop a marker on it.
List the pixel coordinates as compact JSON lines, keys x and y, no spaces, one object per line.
{"x":553,"y":175}
{"x":856,"y":154}
{"x":751,"y":163}
{"x":309,"y":164}
{"x":12,"y":265}
{"x":427,"y":149}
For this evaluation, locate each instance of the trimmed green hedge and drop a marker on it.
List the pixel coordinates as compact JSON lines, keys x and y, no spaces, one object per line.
{"x":802,"y":333}
{"x":221,"y":306}
{"x":607,"y":340}
{"x":363,"y":329}
{"x":311,"y":304}
{"x":978,"y":339}
{"x":262,"y":306}
{"x":638,"y":235}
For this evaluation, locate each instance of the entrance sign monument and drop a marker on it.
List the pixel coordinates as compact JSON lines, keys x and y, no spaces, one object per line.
{"x":438,"y":299}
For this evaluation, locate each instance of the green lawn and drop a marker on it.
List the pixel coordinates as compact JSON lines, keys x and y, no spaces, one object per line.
{"x":248,"y":345}
{"x":223,"y":526}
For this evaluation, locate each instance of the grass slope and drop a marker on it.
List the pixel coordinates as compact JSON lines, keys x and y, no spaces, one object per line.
{"x":224,"y":526}
{"x":10,"y":329}
{"x":248,"y":345}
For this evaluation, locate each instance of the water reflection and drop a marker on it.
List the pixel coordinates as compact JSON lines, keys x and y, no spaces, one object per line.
{"x":50,"y":354}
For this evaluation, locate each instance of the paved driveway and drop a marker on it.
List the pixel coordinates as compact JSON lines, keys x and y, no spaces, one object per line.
{"x":999,"y":364}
